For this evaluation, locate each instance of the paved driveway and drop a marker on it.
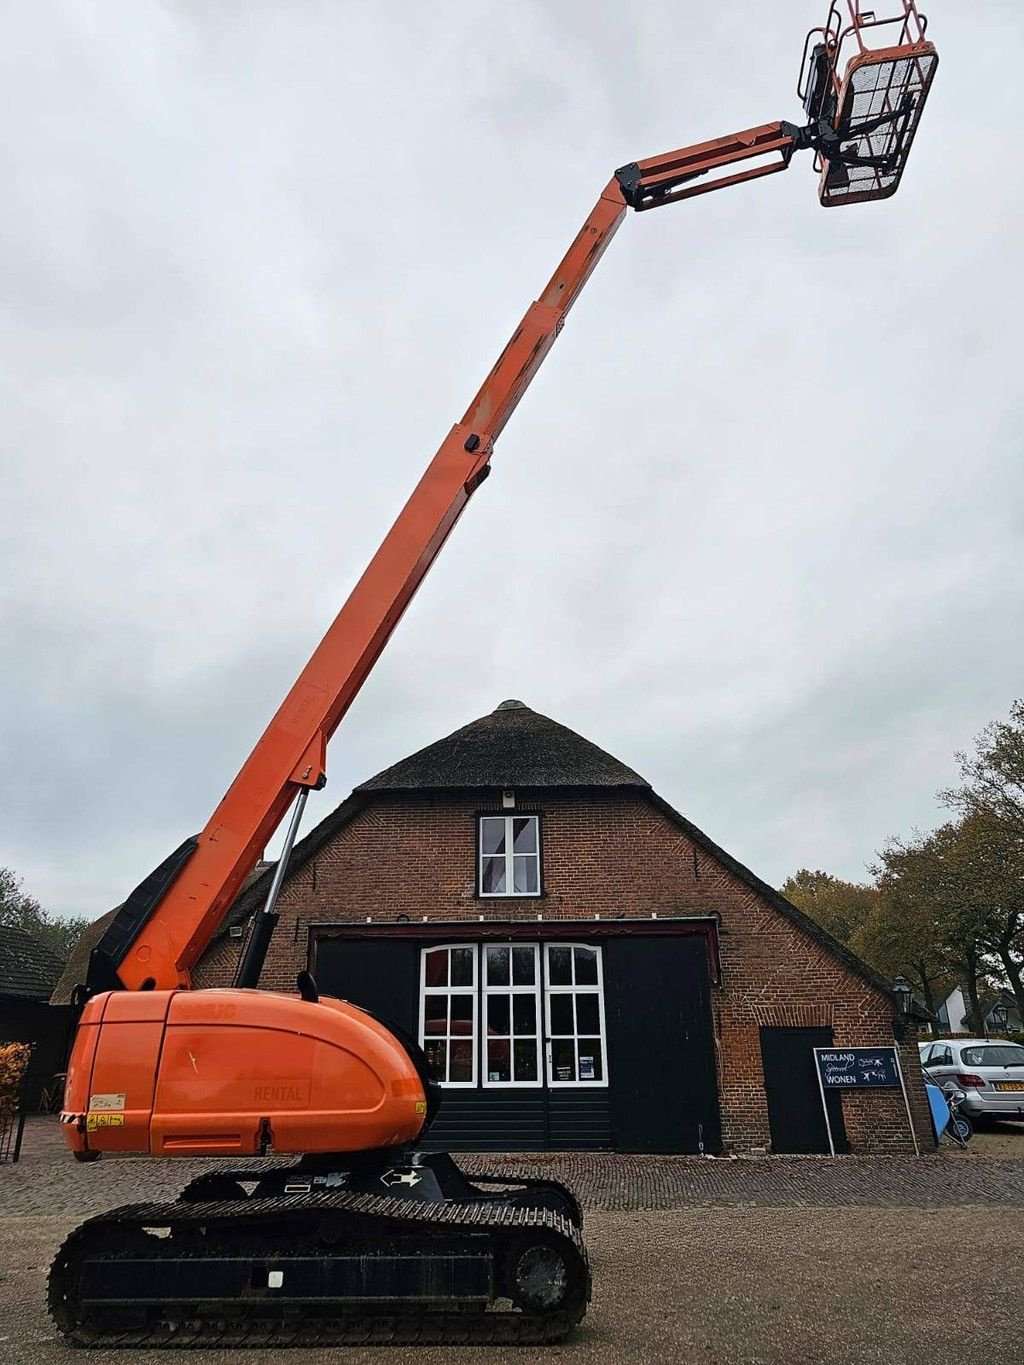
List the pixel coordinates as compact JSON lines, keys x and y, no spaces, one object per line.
{"x":765,"y":1262}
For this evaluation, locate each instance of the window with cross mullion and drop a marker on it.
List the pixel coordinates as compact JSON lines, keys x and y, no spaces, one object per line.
{"x":509,"y":855}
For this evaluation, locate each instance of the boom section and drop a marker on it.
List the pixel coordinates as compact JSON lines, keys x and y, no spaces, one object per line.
{"x":157,"y":938}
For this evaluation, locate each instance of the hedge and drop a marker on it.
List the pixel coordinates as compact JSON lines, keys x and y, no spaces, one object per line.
{"x":14,"y":1059}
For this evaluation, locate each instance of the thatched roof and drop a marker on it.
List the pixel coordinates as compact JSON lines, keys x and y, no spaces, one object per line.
{"x":512,"y":747}
{"x":77,"y":968}
{"x":28,"y":970}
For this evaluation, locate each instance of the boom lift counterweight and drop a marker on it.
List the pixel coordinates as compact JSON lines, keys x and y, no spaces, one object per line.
{"x":324,"y":1250}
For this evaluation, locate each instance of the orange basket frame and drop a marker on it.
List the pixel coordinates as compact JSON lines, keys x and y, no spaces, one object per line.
{"x":871,"y":96}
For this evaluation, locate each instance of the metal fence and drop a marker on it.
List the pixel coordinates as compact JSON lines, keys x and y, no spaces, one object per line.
{"x":11,"y":1134}
{"x":15,"y":1061}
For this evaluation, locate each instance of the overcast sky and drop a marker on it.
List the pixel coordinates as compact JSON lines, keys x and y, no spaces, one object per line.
{"x":756,"y":529}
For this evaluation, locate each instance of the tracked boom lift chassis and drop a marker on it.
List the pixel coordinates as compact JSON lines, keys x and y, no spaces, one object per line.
{"x":364,"y":1237}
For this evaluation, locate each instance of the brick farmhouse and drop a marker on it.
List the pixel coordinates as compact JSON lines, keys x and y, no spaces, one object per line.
{"x":583,"y":966}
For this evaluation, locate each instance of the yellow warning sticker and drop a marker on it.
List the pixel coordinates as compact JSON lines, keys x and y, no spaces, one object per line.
{"x":94,"y":1121}
{"x":421,"y":1106}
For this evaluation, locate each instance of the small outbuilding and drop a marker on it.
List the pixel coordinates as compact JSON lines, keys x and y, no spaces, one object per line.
{"x":28,"y":974}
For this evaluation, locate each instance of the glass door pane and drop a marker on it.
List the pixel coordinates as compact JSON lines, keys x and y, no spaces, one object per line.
{"x":511,"y":1040}
{"x":576,"y":1052}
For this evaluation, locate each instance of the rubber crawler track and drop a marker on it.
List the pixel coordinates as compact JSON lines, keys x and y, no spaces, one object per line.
{"x":210,"y":1185}
{"x":379,"y":1217}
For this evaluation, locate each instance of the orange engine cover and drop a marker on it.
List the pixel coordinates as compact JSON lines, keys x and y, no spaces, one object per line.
{"x":211,"y":1072}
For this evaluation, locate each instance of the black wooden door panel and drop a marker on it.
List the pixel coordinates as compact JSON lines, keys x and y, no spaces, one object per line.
{"x":479,"y":1120}
{"x":379,"y":975}
{"x":661,"y":1062}
{"x":795,"y":1116}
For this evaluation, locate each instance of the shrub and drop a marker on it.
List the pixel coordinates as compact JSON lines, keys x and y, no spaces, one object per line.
{"x":13,"y":1065}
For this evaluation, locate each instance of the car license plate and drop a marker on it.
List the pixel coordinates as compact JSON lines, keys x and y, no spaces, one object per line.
{"x":1010,"y":1085}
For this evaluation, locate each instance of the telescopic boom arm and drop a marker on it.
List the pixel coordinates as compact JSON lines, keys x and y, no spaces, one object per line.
{"x":163,"y":928}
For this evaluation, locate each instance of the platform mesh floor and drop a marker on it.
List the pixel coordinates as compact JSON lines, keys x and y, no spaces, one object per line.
{"x":870,"y":89}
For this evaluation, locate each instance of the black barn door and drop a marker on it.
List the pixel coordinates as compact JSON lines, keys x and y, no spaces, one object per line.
{"x":379,"y":975}
{"x":661,"y":1052}
{"x":795,"y":1116}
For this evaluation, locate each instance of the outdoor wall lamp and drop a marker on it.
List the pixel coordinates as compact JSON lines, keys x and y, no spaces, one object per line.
{"x":901,"y":990}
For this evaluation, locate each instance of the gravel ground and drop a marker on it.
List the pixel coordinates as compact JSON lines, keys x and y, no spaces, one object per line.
{"x":710,"y":1287}
{"x":766,"y":1262}
{"x":998,"y":1139}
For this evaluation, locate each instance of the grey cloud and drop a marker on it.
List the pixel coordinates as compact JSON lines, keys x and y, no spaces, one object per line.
{"x":756,"y":528}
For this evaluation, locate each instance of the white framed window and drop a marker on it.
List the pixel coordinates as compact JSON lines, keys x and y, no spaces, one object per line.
{"x":449,"y":994}
{"x":486,"y":1009}
{"x":574,"y":1009}
{"x":510,"y":1036}
{"x":509,"y":855}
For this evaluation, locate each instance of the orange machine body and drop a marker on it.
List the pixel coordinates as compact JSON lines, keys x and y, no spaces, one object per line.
{"x":216,"y":1072}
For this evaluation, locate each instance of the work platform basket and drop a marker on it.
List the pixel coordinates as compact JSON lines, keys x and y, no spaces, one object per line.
{"x":867,"y":74}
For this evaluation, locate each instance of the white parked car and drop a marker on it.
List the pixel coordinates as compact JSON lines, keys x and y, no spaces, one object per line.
{"x":989,"y":1072}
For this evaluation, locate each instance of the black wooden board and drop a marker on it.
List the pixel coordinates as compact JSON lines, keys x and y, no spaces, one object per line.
{"x":795,"y":1118}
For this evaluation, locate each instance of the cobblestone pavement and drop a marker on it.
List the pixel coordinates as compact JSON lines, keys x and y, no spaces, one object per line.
{"x":751,"y":1262}
{"x":48,"y":1181}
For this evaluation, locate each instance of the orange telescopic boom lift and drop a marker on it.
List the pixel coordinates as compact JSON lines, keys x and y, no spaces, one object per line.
{"x":364,"y":1237}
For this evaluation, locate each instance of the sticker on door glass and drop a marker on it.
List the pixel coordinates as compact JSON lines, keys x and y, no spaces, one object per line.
{"x":586,"y":1068}
{"x":106,"y":1102}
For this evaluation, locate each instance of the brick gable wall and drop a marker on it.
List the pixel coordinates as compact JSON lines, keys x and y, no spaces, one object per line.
{"x":607,"y":853}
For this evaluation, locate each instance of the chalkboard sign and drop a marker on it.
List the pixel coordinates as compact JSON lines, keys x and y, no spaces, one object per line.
{"x":857,"y":1068}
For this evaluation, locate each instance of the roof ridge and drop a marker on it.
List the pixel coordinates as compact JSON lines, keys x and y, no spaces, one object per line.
{"x":512,"y":746}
